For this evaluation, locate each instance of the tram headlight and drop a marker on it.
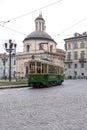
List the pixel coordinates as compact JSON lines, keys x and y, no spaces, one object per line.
{"x":32,"y":77}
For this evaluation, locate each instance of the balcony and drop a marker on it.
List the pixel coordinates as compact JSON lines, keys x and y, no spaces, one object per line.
{"x":82,"y":60}
{"x":68,"y":61}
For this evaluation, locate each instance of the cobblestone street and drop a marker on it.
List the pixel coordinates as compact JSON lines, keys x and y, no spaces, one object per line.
{"x":61,"y":107}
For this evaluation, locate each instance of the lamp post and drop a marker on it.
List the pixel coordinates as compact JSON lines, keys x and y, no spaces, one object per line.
{"x":75,"y":73}
{"x":10,"y":47}
{"x":4,"y":60}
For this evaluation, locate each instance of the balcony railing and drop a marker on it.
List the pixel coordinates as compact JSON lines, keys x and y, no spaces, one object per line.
{"x":82,"y":60}
{"x":68,"y":61}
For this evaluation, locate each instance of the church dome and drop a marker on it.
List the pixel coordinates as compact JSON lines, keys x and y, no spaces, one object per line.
{"x":39,"y":35}
{"x":39,"y":32}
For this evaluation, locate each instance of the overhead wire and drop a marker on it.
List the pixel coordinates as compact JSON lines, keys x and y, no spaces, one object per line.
{"x":14,"y":30}
{"x":56,"y":34}
{"x":46,"y":6}
{"x":73,"y":25}
{"x":4,"y":22}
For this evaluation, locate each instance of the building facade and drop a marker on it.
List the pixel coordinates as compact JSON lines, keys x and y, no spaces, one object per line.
{"x":76,"y":56}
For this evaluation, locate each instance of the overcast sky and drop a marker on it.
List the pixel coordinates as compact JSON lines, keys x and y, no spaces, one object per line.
{"x":62,"y":18}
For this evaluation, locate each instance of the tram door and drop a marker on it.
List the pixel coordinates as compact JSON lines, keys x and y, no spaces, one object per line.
{"x":26,"y":75}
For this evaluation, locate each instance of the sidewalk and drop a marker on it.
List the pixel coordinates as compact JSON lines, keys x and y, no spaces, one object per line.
{"x":5,"y":84}
{"x":13,"y":86}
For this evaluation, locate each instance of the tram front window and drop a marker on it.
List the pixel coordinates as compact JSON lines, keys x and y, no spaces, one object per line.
{"x":32,"y":67}
{"x":38,"y":67}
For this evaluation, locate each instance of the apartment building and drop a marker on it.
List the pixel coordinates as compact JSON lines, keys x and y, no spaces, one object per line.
{"x":76,"y":56}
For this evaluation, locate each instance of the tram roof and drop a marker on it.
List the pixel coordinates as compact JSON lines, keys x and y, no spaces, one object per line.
{"x":44,"y":61}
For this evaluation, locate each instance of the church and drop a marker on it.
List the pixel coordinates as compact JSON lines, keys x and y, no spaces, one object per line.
{"x":38,"y":45}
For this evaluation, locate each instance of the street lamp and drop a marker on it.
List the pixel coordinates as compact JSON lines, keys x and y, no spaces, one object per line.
{"x":75,"y":73}
{"x":4,"y":60}
{"x":10,"y":47}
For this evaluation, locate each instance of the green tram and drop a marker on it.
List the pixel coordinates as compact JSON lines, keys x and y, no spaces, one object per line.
{"x":43,"y":73}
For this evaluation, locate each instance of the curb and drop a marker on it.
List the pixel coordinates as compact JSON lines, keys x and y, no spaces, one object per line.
{"x":13,"y":86}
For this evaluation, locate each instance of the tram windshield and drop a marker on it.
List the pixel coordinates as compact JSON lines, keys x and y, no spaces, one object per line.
{"x":37,"y":67}
{"x":32,"y":67}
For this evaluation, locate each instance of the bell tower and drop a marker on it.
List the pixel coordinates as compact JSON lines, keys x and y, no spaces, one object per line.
{"x":39,"y":23}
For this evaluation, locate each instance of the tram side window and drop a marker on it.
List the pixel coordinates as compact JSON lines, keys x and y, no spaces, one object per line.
{"x":32,"y":67}
{"x":52,"y":69}
{"x":38,"y":67}
{"x":44,"y":68}
{"x":60,"y":71}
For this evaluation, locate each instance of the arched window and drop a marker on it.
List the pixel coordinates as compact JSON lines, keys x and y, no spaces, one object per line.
{"x":39,"y":26}
{"x":36,"y":25}
{"x":28,"y":48}
{"x":51,"y":48}
{"x":41,"y":47}
{"x":75,"y":66}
